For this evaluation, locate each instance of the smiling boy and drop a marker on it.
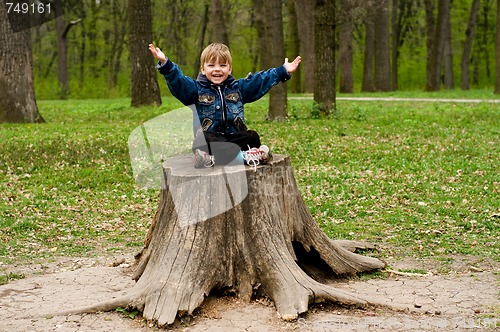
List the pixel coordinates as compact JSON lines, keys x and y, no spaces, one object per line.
{"x":219,"y":98}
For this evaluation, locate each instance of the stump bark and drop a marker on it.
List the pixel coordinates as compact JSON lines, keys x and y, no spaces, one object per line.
{"x":240,"y":229}
{"x":252,"y":245}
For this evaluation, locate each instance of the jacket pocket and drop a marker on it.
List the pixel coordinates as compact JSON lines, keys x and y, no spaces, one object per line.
{"x":206,"y":124}
{"x":234,"y":104}
{"x":240,"y":124}
{"x":207,"y":104}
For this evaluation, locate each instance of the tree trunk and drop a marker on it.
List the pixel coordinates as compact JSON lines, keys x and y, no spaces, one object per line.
{"x":449,"y":77}
{"x":62,"y":29}
{"x":274,"y":30}
{"x":237,"y":229}
{"x":486,"y":41}
{"x":404,"y":13}
{"x":305,"y":21}
{"x":396,"y":19}
{"x":469,"y":38}
{"x":296,"y":81}
{"x":17,"y":91}
{"x":346,"y":83}
{"x":497,"y":51}
{"x":201,"y":40}
{"x":119,"y":13}
{"x":145,"y":89}
{"x":436,"y":60}
{"x":382,"y":47}
{"x":260,"y":25}
{"x":92,"y":14}
{"x":324,"y":50}
{"x":82,"y":45}
{"x":368,"y":84}
{"x":217,"y":23}
{"x":62,"y":58}
{"x":430,"y":25}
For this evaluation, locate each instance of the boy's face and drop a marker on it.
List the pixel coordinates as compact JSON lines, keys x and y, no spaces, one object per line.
{"x":215,"y":71}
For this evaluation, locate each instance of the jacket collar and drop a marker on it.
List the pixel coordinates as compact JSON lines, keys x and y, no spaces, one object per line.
{"x":202,"y":78}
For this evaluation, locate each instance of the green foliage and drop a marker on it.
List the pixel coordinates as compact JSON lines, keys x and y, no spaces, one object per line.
{"x":126,"y":313}
{"x":413,"y":271}
{"x":6,"y":278}
{"x":419,"y":178}
{"x":96,"y":45}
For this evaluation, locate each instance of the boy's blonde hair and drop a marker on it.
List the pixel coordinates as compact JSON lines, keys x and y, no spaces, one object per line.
{"x":216,"y":51}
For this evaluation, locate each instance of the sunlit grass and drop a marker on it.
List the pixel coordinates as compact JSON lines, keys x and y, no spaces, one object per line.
{"x":421,"y":179}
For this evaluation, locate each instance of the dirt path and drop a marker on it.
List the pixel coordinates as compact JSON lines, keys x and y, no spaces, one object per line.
{"x":463,"y":299}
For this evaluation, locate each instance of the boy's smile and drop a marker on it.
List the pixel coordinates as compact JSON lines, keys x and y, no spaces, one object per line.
{"x":215,"y":71}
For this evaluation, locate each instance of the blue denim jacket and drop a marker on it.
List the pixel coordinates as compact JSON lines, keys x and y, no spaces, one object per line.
{"x":220,"y":107}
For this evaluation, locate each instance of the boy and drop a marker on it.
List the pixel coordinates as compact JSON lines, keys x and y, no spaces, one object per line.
{"x":219,"y":98}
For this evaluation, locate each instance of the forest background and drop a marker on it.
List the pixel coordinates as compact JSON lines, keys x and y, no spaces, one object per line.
{"x":382,"y":45}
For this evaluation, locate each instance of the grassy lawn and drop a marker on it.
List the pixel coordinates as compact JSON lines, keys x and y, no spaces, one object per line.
{"x":422,"y":179}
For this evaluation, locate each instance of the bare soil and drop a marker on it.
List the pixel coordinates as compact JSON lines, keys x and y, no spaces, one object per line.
{"x":460,"y":295}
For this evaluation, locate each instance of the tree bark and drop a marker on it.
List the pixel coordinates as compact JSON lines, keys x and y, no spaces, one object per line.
{"x":62,"y":57}
{"x":262,"y":40}
{"x":382,"y":47}
{"x":17,"y":91}
{"x":92,"y":13}
{"x":497,"y":51}
{"x":430,"y":27}
{"x":396,"y":19}
{"x":469,"y":38}
{"x":346,"y":83}
{"x":119,"y":14}
{"x":368,"y":85}
{"x":256,"y":236}
{"x":486,"y":41}
{"x":437,"y":51}
{"x":145,"y":89}
{"x":449,"y":77}
{"x":296,"y":81}
{"x":201,"y":40}
{"x":278,"y":102}
{"x":324,"y":50}
{"x":62,"y":29}
{"x":403,"y":17}
{"x":217,"y":23}
{"x":305,"y":21}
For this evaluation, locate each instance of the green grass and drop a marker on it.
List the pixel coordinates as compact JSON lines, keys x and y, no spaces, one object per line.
{"x":459,"y":94}
{"x":422,"y":179}
{"x":6,"y":278}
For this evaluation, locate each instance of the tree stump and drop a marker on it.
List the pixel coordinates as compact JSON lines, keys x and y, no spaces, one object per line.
{"x":214,"y":231}
{"x":252,"y":246}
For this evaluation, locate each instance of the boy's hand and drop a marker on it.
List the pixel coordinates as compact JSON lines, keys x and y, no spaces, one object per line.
{"x":158,"y":54}
{"x":292,"y":66}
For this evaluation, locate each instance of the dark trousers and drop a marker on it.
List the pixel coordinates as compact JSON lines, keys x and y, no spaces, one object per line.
{"x":225,"y":147}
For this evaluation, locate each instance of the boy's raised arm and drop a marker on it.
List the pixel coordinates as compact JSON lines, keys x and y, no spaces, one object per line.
{"x":182,"y":87}
{"x":254,"y":86}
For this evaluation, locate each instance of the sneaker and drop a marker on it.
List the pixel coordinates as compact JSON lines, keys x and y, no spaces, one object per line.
{"x":203,"y":159}
{"x":257,"y":156}
{"x":267,"y":156}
